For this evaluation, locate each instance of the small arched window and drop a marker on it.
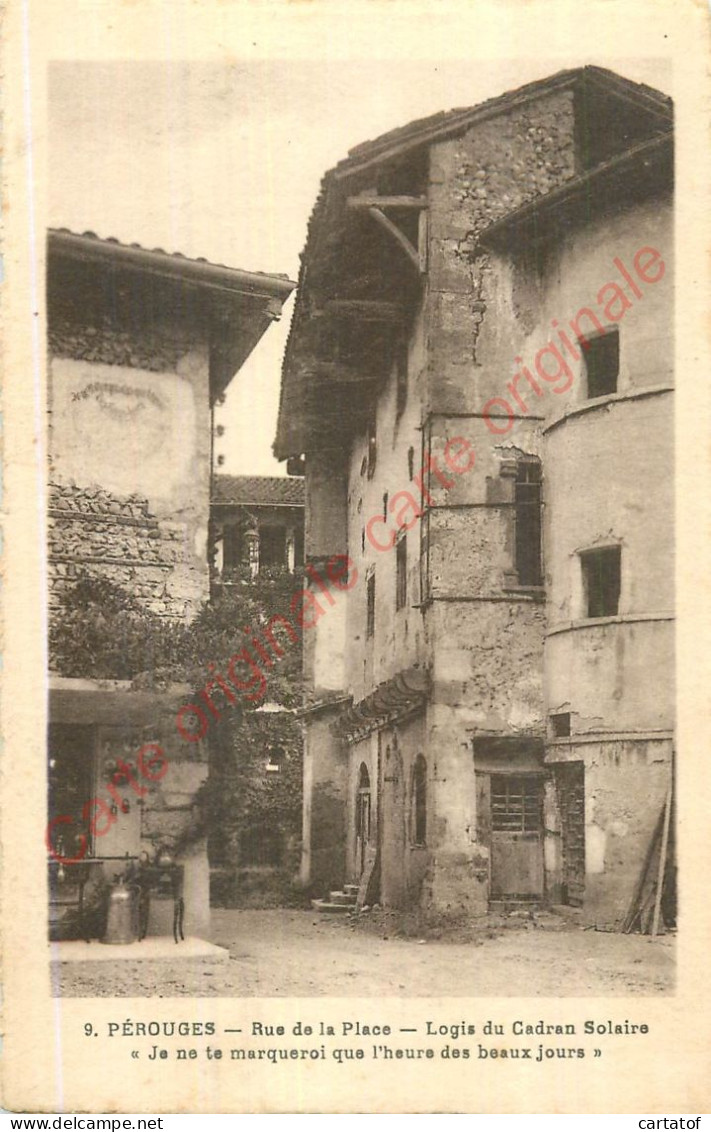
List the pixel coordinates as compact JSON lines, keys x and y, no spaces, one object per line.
{"x":419,"y":801}
{"x":362,"y":815}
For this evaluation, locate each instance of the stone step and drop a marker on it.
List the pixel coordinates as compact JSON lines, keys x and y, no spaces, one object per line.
{"x":515,"y":905}
{"x":351,"y":889}
{"x":327,"y":906}
{"x":342,"y":898}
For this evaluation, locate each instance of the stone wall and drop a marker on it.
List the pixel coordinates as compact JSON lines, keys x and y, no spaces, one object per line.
{"x":146,"y":348}
{"x":480,"y":634}
{"x":323,"y":862}
{"x":94,"y":533}
{"x":626,"y":784}
{"x":497,"y":166}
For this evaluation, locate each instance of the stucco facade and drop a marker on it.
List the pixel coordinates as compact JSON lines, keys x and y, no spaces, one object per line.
{"x":503,"y":492}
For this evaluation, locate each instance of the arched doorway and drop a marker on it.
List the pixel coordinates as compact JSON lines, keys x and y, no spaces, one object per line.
{"x":362,"y":816}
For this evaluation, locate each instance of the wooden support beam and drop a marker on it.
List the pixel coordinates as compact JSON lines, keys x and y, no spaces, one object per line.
{"x":423,"y":229}
{"x":370,"y":201}
{"x":365,"y":310}
{"x":340,"y":373}
{"x":662,"y":863}
{"x":385,"y":222}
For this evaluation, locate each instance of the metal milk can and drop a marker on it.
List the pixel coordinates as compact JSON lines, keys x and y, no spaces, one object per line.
{"x":122,"y":917}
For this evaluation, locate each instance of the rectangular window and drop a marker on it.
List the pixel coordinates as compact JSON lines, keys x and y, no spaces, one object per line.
{"x":370,"y":606}
{"x":516,"y":804}
{"x":527,"y":502}
{"x":602,"y":580}
{"x":272,"y":548}
{"x":233,"y":548}
{"x":401,"y":573}
{"x":601,"y":353}
{"x":560,"y":725}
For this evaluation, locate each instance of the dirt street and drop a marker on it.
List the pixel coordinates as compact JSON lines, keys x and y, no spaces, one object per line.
{"x":298,"y":953}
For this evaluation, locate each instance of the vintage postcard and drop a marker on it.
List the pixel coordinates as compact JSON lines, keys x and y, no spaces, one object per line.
{"x":355,"y":691}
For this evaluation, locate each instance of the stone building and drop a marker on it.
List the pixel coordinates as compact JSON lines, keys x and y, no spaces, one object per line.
{"x":479,"y":374}
{"x":141,"y":343}
{"x":257,"y":525}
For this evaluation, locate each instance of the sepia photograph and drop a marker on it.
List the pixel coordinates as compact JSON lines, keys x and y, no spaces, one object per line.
{"x":355,"y":690}
{"x":360,"y":533}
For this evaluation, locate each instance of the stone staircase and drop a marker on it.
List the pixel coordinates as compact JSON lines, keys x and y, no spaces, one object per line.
{"x":339,"y":902}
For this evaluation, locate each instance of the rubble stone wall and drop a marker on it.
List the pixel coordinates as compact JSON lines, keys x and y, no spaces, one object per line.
{"x":94,"y":533}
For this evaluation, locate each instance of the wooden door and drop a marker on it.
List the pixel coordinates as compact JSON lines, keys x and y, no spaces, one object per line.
{"x":362,"y":815}
{"x":516,"y":836}
{"x":570,"y":786}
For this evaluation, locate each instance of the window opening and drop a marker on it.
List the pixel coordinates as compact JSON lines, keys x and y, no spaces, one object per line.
{"x":602,"y":581}
{"x":275,"y":760}
{"x":233,"y":548}
{"x":370,"y":606}
{"x":560,"y":724}
{"x":401,"y":573}
{"x":528,"y":506}
{"x":601,"y":353}
{"x":419,"y":801}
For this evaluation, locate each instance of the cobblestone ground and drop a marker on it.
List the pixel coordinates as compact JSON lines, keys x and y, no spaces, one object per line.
{"x":298,"y":953}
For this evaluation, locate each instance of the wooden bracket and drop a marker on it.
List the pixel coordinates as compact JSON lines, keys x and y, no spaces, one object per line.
{"x":375,"y":206}
{"x":365,"y":310}
{"x":371,"y":200}
{"x":385,"y":222}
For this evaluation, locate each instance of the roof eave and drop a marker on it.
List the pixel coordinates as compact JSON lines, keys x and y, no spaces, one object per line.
{"x":255,"y":503}
{"x":195,"y":272}
{"x":456,"y":122}
{"x":499,"y":235}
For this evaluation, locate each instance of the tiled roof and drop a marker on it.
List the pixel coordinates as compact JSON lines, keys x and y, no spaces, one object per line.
{"x":355,"y":172}
{"x":448,"y":122}
{"x":266,"y":491}
{"x":175,"y":261}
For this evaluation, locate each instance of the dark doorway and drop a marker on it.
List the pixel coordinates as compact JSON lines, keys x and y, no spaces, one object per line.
{"x":70,"y":755}
{"x":570,"y":788}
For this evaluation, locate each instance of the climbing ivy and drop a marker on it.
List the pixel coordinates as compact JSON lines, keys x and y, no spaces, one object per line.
{"x":98,"y":630}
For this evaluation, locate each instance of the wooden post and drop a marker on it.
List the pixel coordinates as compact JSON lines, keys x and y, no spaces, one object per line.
{"x":662,"y":862}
